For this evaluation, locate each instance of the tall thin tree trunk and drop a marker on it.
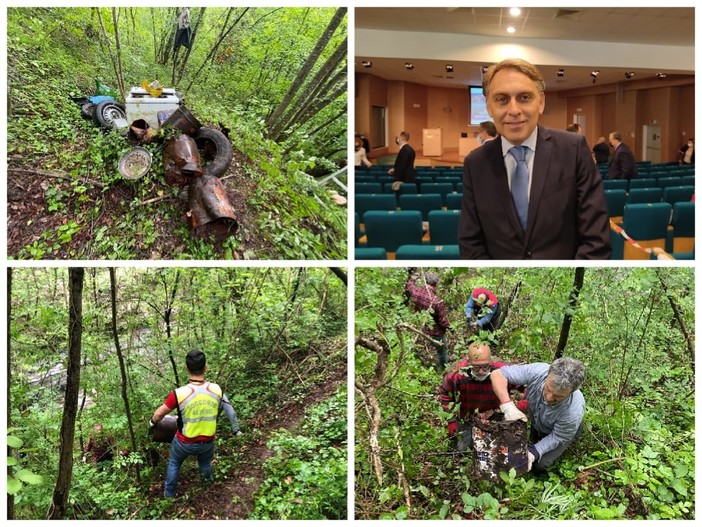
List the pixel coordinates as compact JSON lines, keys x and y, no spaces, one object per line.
{"x":113,"y":58}
{"x":10,"y":497}
{"x":122,"y":369}
{"x":120,"y":74}
{"x":167,"y":319}
{"x":59,"y":503}
{"x":273,"y":121}
{"x":568,"y":317}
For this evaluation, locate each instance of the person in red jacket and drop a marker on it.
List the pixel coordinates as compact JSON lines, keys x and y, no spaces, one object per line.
{"x":423,"y":297}
{"x":466,"y":390}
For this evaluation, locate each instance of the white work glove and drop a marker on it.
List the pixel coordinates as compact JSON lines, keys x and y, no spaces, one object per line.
{"x":512,"y":413}
{"x":530,"y":461}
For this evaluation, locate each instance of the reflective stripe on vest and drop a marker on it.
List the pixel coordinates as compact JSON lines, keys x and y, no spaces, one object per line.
{"x":199,"y":406}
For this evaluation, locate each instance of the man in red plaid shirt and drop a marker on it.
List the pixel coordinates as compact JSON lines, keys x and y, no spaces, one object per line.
{"x":424,"y":297}
{"x":466,"y":390}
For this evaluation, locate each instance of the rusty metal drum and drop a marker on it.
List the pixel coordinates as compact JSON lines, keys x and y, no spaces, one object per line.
{"x":181,"y":161}
{"x":211,"y":213}
{"x":498,"y":446}
{"x":165,"y":429}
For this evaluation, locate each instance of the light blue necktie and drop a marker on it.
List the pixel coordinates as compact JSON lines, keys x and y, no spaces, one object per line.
{"x":520,"y":184}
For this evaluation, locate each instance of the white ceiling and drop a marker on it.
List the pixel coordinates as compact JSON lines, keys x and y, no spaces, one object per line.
{"x":598,"y":36}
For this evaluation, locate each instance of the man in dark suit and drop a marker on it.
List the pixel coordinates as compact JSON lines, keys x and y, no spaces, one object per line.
{"x":404,"y":162}
{"x":623,"y":164}
{"x":535,"y":192}
{"x":601,"y":151}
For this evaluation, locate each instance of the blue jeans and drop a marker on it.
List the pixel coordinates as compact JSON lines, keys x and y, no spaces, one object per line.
{"x":179,"y":452}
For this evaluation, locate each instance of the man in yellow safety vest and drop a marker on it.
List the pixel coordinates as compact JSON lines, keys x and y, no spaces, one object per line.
{"x":198,"y":404}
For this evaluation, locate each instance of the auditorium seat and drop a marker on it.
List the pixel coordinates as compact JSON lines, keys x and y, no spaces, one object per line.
{"x":681,"y":235}
{"x":427,"y":252}
{"x":612,"y":184}
{"x":616,"y":199}
{"x":674,"y":181}
{"x":642,"y":183}
{"x":645,"y":195}
{"x":405,"y":188}
{"x":678,"y":194}
{"x":368,"y":188}
{"x":644,"y":224}
{"x":366,"y":202}
{"x":370,"y":253}
{"x":421,"y":202}
{"x":453,"y":201}
{"x":443,"y":227}
{"x":390,"y":229}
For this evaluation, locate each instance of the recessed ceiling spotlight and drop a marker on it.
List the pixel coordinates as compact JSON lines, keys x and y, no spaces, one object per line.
{"x":560,"y":73}
{"x":515,"y":11}
{"x":511,"y":29}
{"x":485,"y":68}
{"x":629,"y":74}
{"x":661,"y":75}
{"x":449,"y":68}
{"x":594,"y":75}
{"x":367,"y":64}
{"x":409,"y":65}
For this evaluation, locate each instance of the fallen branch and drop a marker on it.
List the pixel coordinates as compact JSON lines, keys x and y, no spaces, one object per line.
{"x":583,"y":469}
{"x":423,"y":335}
{"x":151,"y":201}
{"x":55,"y":175}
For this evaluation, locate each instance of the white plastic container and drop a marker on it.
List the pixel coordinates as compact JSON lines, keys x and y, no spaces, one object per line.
{"x":141,"y":105}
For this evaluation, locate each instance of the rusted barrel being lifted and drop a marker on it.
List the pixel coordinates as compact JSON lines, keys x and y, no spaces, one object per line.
{"x":181,"y":161}
{"x":165,"y":429}
{"x":210,"y":211}
{"x":498,"y":446}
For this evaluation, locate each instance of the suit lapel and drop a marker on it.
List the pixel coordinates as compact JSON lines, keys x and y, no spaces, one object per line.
{"x":542,"y":159}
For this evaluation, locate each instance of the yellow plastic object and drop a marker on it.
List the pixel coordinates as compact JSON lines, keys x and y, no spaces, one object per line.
{"x":154,"y":89}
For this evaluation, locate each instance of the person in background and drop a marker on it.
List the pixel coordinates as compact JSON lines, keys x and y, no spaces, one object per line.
{"x":623,"y":163}
{"x":687,"y":153}
{"x":360,"y":154}
{"x":555,"y":405}
{"x":424,"y":297}
{"x":535,"y":193}
{"x":100,"y":448}
{"x":574,"y":128}
{"x":482,"y":310}
{"x":404,"y":162}
{"x":487,"y":132}
{"x":601,"y":150}
{"x":198,"y":404}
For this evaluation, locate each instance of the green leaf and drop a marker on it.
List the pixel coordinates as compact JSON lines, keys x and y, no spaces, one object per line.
{"x":11,"y":461}
{"x":14,"y":442}
{"x":679,"y":486}
{"x":681,"y":471}
{"x":29,"y":477}
{"x":13,"y":485}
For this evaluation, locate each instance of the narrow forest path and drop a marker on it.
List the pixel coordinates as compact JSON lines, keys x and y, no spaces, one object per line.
{"x":234,"y":497}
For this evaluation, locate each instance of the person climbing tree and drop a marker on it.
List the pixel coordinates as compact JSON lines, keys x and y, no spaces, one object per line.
{"x":198,"y":405}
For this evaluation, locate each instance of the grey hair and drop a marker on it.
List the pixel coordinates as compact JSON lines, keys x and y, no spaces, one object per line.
{"x":431,"y":278}
{"x":567,"y":374}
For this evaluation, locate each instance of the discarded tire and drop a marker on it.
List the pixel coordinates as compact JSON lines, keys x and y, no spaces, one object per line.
{"x":110,"y":115}
{"x":216,"y":151}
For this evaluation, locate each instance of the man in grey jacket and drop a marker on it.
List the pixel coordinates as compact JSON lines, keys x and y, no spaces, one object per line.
{"x":555,"y":405}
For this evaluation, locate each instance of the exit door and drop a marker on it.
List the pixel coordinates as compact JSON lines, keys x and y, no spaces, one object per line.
{"x":652,"y":143}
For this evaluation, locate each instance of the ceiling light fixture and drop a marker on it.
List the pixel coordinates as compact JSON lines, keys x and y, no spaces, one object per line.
{"x":409,"y":65}
{"x":515,"y":11}
{"x":560,"y":73}
{"x":449,"y":68}
{"x":485,"y":68}
{"x":367,"y":64}
{"x":629,"y":74}
{"x":661,"y":75}
{"x":594,"y":75}
{"x":511,"y":29}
